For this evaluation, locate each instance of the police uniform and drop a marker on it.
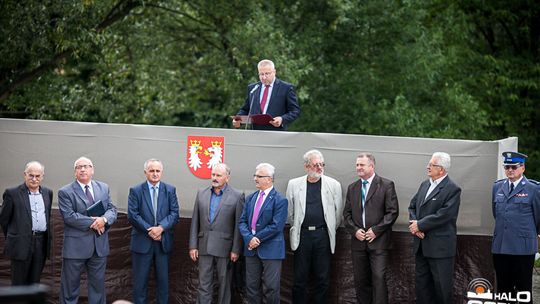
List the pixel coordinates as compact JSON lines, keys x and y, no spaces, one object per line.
{"x":516,"y":210}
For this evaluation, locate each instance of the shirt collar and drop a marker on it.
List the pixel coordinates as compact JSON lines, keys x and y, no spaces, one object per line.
{"x":220,"y":191}
{"x":370,"y":180}
{"x":438,"y":180}
{"x":150,"y":185}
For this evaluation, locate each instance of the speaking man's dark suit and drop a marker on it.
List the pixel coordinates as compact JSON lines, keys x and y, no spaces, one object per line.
{"x":216,"y":240}
{"x":16,"y":222}
{"x":282,"y":102}
{"x":270,"y":224}
{"x":370,"y":260}
{"x":436,"y":215}
{"x":145,"y":250}
{"x":83,"y":247}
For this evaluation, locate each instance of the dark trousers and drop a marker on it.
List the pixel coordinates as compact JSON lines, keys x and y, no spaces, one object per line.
{"x":370,"y":267}
{"x":142,"y":263}
{"x":314,"y":256}
{"x":28,"y":271}
{"x":434,"y":279}
{"x":514,"y":272}
{"x":262,"y":276}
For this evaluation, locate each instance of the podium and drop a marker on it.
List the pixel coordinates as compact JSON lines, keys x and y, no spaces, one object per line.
{"x":257,"y":119}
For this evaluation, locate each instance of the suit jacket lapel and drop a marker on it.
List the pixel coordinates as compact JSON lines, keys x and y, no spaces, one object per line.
{"x":437,"y":189}
{"x":302,"y":193}
{"x":373,"y":188}
{"x":506,"y":188}
{"x":275,"y":90}
{"x":26,"y":201}
{"x":206,"y":197}
{"x":79,"y":192}
{"x":266,"y":202}
{"x":225,"y":196}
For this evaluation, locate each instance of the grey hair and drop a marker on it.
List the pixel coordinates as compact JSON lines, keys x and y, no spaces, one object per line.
{"x":266,"y":62}
{"x":82,"y":158}
{"x":268,"y":167}
{"x":34,"y":163}
{"x":224,"y":166}
{"x":309,"y":155}
{"x":369,"y":156}
{"x":443,"y":160}
{"x":151,"y":160}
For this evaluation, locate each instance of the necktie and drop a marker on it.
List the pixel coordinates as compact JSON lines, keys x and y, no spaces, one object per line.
{"x":88,"y":195}
{"x":265,"y":96}
{"x":154,"y":203}
{"x":364,"y":187}
{"x":258,"y":205}
{"x":511,"y":187}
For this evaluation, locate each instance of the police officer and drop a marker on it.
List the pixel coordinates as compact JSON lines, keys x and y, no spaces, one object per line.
{"x":516,"y":208}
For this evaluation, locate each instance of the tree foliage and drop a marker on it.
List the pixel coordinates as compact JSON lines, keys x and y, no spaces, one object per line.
{"x":449,"y":69}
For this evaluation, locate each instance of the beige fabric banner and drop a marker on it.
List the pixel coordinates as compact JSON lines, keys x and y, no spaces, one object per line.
{"x":119,"y":151}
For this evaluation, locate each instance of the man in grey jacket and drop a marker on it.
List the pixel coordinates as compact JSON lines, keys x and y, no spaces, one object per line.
{"x":214,"y":239}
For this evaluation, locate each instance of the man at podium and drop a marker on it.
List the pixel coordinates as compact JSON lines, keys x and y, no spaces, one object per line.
{"x":270,"y":96}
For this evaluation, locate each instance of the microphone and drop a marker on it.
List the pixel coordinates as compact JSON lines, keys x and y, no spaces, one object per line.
{"x":254,"y":88}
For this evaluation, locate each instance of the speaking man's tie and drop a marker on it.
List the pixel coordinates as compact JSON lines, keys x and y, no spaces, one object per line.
{"x":264,"y":98}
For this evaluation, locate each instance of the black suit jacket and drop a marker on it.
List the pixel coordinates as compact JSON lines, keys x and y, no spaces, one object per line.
{"x":436,"y":215}
{"x":283,"y":103}
{"x":382,"y":210}
{"x":16,"y":221}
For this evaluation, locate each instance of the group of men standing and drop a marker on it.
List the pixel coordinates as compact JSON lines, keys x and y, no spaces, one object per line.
{"x":226,"y":225}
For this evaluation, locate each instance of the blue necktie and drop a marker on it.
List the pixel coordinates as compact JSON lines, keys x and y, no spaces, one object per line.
{"x":154,"y":203}
{"x":364,"y":183}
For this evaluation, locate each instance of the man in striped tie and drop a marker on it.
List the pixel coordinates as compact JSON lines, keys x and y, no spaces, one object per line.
{"x":261,"y":225}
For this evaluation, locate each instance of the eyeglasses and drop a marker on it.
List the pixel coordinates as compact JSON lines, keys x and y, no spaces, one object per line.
{"x":266,"y":74}
{"x":79,"y":167}
{"x":32,"y":176}
{"x":434,"y":165}
{"x":260,"y":176}
{"x":513,"y":167}
{"x":318,"y":165}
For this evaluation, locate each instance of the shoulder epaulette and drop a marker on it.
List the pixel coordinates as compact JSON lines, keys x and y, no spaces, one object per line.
{"x":500,"y":180}
{"x":534,"y":182}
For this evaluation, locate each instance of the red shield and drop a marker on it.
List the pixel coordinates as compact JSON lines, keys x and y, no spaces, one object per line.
{"x":203,"y":153}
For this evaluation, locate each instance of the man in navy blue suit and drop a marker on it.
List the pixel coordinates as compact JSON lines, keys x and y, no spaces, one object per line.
{"x":270,"y":96}
{"x":153,"y":212}
{"x":261,"y":225}
{"x":516,"y":208}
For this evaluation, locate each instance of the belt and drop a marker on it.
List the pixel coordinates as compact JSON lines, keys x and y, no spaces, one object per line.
{"x":38,"y":233}
{"x":313,"y":228}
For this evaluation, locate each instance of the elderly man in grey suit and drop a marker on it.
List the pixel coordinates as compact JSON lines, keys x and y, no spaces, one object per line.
{"x":314,"y":212}
{"x":433,"y":214}
{"x":86,"y":240}
{"x":215,"y":240}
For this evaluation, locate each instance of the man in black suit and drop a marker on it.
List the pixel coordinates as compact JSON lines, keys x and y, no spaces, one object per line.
{"x":270,"y":96}
{"x":433,"y":214}
{"x":25,"y":219}
{"x":371,"y":208}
